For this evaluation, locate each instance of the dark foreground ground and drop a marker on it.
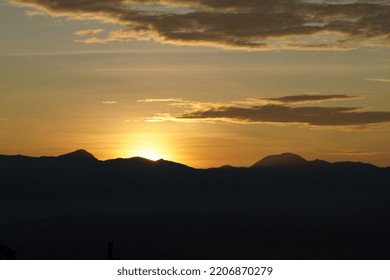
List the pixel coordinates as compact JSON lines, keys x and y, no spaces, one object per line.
{"x":70,"y":207}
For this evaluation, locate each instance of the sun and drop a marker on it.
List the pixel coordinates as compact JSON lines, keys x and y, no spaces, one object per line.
{"x":151,"y":146}
{"x":148,"y":154}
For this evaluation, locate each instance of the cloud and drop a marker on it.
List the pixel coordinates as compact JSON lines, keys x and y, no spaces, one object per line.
{"x":290,"y":99}
{"x":116,"y":35}
{"x":150,"y":100}
{"x":236,"y":24}
{"x":182,"y":103}
{"x":88,"y":32}
{"x":93,"y":40}
{"x":109,"y":102}
{"x":34,"y":13}
{"x":304,"y":98}
{"x":3,"y":119}
{"x":278,"y":111}
{"x":315,"y":116}
{"x":378,"y":80}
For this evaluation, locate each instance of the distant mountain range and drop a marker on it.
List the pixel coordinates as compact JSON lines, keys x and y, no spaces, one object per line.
{"x":281,"y":160}
{"x":281,"y":207}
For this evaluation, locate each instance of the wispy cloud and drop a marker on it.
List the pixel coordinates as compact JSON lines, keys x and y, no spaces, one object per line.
{"x":88,"y":36}
{"x":3,"y":119}
{"x":88,"y":32}
{"x":150,"y":100}
{"x":93,"y":40}
{"x":179,"y":102}
{"x":290,"y":99}
{"x":303,"y":98}
{"x":378,"y":80}
{"x":315,"y":116}
{"x":244,"y":24}
{"x":277,"y":111}
{"x":35,"y":13}
{"x":109,"y":102}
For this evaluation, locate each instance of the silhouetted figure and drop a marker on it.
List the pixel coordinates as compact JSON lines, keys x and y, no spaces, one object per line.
{"x":6,"y":253}
{"x":109,"y":251}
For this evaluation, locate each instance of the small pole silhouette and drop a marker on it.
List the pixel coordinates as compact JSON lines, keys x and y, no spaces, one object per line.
{"x":109,"y":251}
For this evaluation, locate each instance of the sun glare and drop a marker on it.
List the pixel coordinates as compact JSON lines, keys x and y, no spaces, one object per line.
{"x":148,"y":154}
{"x":151,"y":145}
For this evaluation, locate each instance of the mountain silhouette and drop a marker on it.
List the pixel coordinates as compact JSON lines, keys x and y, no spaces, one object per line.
{"x":282,"y":207}
{"x":285,"y":159}
{"x":143,"y":164}
{"x":78,"y":155}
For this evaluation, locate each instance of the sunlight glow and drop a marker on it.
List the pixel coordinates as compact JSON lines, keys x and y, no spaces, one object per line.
{"x":147,"y":153}
{"x":152,"y":144}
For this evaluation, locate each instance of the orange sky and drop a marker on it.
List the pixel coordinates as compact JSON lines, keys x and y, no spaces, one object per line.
{"x":208,"y":85}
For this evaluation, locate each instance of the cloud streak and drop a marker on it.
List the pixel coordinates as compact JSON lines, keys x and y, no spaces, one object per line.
{"x":233,"y":24}
{"x":304,"y":98}
{"x":314,"y":116}
{"x":378,"y":80}
{"x":88,"y":32}
{"x":277,"y":111}
{"x":151,"y":100}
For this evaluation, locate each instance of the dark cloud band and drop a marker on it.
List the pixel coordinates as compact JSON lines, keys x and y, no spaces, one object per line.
{"x":279,"y":110}
{"x":247,"y":24}
{"x":304,"y":98}
{"x":315,"y":116}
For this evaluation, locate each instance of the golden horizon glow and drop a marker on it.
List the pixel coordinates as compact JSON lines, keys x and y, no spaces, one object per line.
{"x":148,"y":153}
{"x":199,"y":106}
{"x":142,"y":144}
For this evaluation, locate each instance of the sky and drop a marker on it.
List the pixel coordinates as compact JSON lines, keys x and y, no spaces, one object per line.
{"x":201,"y":82}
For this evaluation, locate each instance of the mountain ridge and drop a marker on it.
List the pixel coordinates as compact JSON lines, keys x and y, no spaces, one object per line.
{"x":80,"y":154}
{"x":283,"y":160}
{"x":66,"y":209}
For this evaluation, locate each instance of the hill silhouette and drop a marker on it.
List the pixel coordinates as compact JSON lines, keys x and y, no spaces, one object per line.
{"x":282,"y":207}
{"x":285,"y":159}
{"x":78,"y":155}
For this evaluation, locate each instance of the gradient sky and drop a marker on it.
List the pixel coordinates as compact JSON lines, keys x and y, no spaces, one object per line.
{"x":202,"y":82}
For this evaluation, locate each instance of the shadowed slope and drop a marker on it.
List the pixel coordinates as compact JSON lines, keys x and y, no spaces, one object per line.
{"x":285,"y":159}
{"x":78,"y":155}
{"x":69,"y":207}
